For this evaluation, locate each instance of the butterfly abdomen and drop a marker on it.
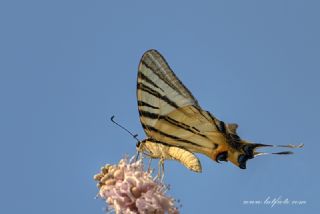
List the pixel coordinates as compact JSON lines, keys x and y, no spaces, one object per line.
{"x":161,"y":150}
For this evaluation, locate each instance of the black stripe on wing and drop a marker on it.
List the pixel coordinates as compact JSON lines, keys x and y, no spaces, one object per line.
{"x":151,"y":128}
{"x":172,"y":121}
{"x":149,"y":90}
{"x":156,"y":63}
{"x":156,"y":71}
{"x":161,"y":142}
{"x":141,"y":103}
{"x":148,"y":80}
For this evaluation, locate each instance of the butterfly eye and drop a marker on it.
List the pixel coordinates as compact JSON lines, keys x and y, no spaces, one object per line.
{"x":222,"y":156}
{"x":242,"y":160}
{"x":138,"y":144}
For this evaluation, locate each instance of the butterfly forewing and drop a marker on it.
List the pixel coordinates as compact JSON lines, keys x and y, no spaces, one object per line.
{"x":168,"y":111}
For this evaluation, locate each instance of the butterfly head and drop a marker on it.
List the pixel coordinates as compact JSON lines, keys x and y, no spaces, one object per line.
{"x":149,"y":148}
{"x":142,"y":146}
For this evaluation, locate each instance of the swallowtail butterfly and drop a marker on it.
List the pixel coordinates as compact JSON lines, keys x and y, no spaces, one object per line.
{"x":176,"y":125}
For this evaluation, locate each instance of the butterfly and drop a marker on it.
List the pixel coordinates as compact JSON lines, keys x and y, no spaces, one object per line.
{"x":177,"y":127}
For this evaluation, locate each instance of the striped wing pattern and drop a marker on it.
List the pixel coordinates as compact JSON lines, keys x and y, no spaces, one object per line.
{"x":169,"y":113}
{"x":177,"y":126}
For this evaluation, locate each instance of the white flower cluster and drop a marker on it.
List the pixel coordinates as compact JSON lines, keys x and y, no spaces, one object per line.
{"x":128,"y":189}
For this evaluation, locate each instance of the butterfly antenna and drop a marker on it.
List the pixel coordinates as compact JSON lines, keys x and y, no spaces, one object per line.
{"x":135,"y":136}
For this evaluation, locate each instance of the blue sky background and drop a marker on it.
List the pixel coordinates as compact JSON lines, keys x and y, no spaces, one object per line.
{"x":67,"y":65}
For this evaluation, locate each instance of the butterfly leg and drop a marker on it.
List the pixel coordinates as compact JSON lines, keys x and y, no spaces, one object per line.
{"x":149,"y":165}
{"x":137,"y":156}
{"x":161,"y":169}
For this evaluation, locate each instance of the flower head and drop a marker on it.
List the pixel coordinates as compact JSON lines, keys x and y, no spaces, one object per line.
{"x":128,"y":189}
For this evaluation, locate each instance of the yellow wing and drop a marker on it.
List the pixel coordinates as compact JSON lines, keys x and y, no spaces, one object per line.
{"x":172,"y":117}
{"x":168,"y":111}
